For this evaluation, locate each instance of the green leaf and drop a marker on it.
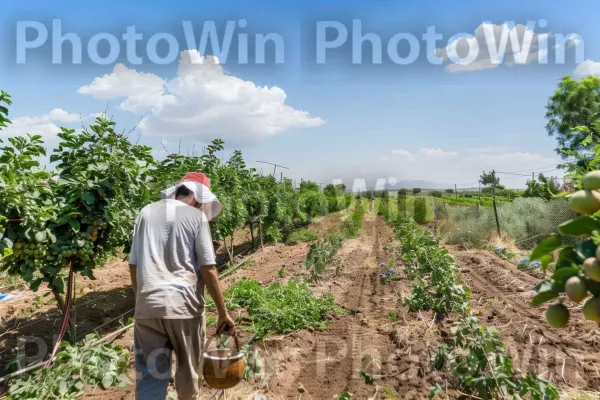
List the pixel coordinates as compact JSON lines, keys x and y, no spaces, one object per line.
{"x":35,"y":284}
{"x":107,"y":381}
{"x":580,"y":226}
{"x":585,"y":248}
{"x":58,"y":284}
{"x":8,"y":251}
{"x":75,"y":225}
{"x":88,"y":198}
{"x":368,"y":378}
{"x":563,"y":274}
{"x":545,"y":260}
{"x":41,"y":236}
{"x":546,"y":246}
{"x":567,"y":257}
{"x":545,"y":292}
{"x":51,"y":236}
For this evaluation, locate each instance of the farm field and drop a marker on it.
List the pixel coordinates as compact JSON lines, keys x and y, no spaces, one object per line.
{"x":377,"y":334}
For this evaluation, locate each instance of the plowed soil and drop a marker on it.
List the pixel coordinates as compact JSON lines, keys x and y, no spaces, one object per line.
{"x":501,"y":297}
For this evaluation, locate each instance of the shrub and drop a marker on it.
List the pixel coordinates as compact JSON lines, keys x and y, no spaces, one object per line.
{"x":420,"y":214}
{"x":449,"y":190}
{"x":302,"y":235}
{"x":436,"y":193}
{"x":416,"y":190}
{"x":402,"y":192}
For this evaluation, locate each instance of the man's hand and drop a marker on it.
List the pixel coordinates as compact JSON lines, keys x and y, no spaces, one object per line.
{"x":229,"y":328}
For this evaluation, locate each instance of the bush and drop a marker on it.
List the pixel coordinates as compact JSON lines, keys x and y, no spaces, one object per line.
{"x":402,"y":192}
{"x":436,"y":193}
{"x":449,"y":190}
{"x":526,"y":220}
{"x":302,"y":235}
{"x":416,"y":190}
{"x":420,"y":215}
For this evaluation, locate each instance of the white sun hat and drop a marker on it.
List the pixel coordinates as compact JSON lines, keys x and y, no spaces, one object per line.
{"x":198,"y":184}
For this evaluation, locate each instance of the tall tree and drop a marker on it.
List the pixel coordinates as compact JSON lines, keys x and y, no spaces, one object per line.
{"x":573,"y":113}
{"x":488,"y":179}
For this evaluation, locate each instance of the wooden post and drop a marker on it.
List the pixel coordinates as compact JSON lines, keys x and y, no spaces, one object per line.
{"x":281,"y":179}
{"x":455,"y":191}
{"x":494,"y":200}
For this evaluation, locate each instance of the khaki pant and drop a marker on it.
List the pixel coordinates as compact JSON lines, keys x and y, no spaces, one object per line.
{"x":154,"y":342}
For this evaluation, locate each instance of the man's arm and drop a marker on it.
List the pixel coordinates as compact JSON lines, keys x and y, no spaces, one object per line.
{"x":133,"y":274}
{"x":211,"y":280}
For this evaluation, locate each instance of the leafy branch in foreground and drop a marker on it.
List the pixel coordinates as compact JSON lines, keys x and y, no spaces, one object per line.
{"x":75,"y":367}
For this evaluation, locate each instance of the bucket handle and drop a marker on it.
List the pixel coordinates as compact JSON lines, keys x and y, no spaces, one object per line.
{"x":219,"y":330}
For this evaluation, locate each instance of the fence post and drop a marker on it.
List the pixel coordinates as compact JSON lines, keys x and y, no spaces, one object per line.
{"x":494,"y":200}
{"x":455,"y":191}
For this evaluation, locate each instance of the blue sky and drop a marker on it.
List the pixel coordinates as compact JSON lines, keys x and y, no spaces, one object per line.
{"x":416,"y":121}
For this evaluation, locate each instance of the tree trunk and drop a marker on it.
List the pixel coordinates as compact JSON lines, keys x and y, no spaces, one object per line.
{"x":252,"y":234}
{"x":262,"y":246}
{"x":60,"y":303}
{"x":231,"y":252}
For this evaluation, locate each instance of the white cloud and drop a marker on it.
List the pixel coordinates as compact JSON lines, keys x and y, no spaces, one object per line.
{"x":436,"y":152}
{"x":588,"y":67}
{"x":497,"y":45}
{"x":44,"y":125}
{"x":202,"y":101}
{"x":401,"y":152}
{"x":141,"y":90}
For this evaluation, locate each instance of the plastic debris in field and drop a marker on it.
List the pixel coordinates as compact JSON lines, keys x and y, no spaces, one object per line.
{"x":5,"y":296}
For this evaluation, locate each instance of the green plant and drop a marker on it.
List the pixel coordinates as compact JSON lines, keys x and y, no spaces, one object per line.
{"x":279,"y":307}
{"x":478,"y":359}
{"x":420,"y":214}
{"x":76,"y":366}
{"x":321,"y":255}
{"x":437,"y":277}
{"x":302,"y":235}
{"x":392,"y":317}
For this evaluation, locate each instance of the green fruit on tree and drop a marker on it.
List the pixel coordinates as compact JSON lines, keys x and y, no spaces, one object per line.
{"x":591,"y":309}
{"x":585,"y":201}
{"x":591,"y":180}
{"x":575,"y":288}
{"x":592,"y":268}
{"x":557,"y":316}
{"x":18,"y":245}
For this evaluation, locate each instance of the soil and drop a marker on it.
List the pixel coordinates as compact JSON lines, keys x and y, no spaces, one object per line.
{"x":501,"y":297}
{"x":377,"y":334}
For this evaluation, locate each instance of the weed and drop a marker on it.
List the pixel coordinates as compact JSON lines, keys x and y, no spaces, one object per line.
{"x":392,"y":317}
{"x":75,"y":367}
{"x":302,"y":235}
{"x":279,"y":307}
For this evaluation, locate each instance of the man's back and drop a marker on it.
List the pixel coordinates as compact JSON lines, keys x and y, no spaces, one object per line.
{"x":171,"y":241}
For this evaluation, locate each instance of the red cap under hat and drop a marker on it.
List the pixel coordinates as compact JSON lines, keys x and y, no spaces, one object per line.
{"x":197,"y":177}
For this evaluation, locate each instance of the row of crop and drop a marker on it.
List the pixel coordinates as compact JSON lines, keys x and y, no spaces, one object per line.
{"x":476,"y":356}
{"x":81,"y":211}
{"x":322,"y":252}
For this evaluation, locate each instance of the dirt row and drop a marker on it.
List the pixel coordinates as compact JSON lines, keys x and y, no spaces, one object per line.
{"x":501,"y":298}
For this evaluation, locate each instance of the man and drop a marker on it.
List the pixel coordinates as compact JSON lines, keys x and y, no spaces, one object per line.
{"x":172,"y":260}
